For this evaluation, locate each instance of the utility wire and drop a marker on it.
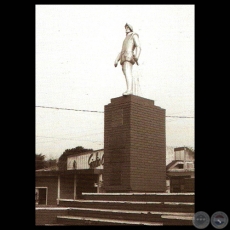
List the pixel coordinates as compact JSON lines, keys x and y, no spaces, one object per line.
{"x":94,"y":111}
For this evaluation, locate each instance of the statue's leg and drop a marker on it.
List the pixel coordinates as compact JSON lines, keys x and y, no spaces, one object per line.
{"x":127,"y":70}
{"x":124,"y":72}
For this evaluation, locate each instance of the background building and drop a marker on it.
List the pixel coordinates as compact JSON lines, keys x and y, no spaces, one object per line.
{"x":180,"y":171}
{"x":85,"y":174}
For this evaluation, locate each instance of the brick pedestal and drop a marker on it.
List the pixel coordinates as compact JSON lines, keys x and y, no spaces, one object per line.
{"x":134,"y":146}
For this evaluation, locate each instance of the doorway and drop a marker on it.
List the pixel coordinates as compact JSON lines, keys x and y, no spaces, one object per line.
{"x":41,"y":195}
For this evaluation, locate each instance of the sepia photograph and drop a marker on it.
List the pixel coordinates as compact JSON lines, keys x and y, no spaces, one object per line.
{"x":115,"y":115}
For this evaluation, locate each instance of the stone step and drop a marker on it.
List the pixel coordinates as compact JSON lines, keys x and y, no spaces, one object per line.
{"x":172,"y":220}
{"x":77,"y":220}
{"x":158,"y":197}
{"x":187,"y":207}
{"x":180,"y":218}
{"x":54,"y":225}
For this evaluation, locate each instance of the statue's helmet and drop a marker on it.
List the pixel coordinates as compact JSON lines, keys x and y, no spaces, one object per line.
{"x":130,"y":27}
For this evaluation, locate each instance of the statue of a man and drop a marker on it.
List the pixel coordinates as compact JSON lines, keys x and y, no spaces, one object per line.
{"x":127,"y":57}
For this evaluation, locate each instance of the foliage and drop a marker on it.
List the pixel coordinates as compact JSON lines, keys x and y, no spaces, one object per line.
{"x":39,"y":161}
{"x":191,"y":149}
{"x":62,"y":161}
{"x":50,"y":163}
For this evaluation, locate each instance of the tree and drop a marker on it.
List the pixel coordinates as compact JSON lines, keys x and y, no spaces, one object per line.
{"x":191,"y":149}
{"x":50,"y":163}
{"x":62,"y":161}
{"x":39,"y":161}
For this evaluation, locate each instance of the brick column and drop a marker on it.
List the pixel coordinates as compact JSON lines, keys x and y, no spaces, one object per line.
{"x":134,"y":146}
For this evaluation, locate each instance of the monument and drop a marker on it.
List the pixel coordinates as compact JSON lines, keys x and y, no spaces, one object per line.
{"x":127,"y":57}
{"x":134,"y":134}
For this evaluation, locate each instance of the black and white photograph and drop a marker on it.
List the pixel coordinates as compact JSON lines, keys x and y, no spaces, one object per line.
{"x":115,"y":115}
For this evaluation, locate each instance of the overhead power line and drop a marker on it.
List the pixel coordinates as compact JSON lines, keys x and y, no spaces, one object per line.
{"x":92,"y":111}
{"x":95,"y":111}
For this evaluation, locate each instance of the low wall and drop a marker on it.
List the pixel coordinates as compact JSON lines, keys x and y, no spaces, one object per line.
{"x":48,"y":215}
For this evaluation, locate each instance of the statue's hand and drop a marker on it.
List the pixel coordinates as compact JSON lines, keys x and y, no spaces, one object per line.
{"x":115,"y":64}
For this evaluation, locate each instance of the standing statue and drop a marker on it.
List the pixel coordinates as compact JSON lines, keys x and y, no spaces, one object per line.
{"x":127,"y":57}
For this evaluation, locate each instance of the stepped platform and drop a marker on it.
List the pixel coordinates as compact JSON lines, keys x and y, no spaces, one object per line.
{"x":76,"y":220}
{"x":121,"y":209}
{"x":158,"y":197}
{"x":130,"y":205}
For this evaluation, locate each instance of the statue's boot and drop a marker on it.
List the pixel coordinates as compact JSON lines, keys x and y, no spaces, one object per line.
{"x":129,"y":92}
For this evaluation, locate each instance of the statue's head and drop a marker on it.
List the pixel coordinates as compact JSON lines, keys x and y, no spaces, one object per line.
{"x":129,"y":26}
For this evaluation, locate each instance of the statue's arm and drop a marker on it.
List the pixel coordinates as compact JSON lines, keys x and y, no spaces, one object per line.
{"x":138,"y":47}
{"x":117,"y":59}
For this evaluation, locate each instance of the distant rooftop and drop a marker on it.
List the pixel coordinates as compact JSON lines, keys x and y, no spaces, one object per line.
{"x":51,"y":168}
{"x":182,"y":148}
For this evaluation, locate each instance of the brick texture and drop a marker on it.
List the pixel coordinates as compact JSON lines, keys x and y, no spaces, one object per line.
{"x":134,"y":145}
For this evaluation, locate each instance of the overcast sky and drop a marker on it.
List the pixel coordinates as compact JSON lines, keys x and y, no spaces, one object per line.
{"x":76,"y":46}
